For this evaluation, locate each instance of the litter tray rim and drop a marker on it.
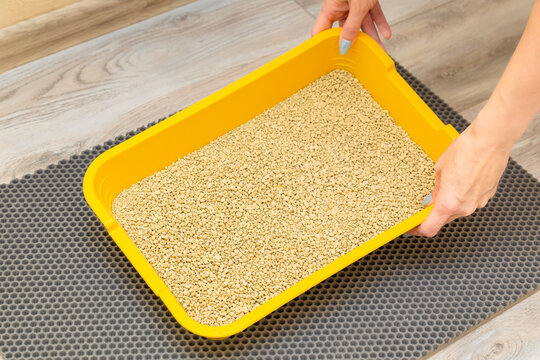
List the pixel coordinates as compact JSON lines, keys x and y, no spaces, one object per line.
{"x":129,"y":249}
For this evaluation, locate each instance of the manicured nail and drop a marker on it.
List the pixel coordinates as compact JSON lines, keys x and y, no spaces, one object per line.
{"x":406,"y":235}
{"x":344,"y":46}
{"x":427,"y":200}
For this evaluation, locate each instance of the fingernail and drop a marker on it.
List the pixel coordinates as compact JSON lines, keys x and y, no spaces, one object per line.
{"x":427,"y":200}
{"x":406,"y":235}
{"x":344,"y":46}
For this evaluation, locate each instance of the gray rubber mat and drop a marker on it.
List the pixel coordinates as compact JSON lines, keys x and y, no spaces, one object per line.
{"x":66,"y":290}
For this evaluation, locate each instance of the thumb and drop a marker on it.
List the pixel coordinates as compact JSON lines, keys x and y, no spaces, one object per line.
{"x":437,"y":218}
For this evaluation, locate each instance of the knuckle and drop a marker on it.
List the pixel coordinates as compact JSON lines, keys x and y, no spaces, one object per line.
{"x":469,"y":210}
{"x":427,"y":230}
{"x":483,"y":204}
{"x":430,"y":233}
{"x":451,"y":205}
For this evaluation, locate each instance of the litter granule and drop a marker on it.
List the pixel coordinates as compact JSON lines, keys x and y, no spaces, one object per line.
{"x":235,"y":223}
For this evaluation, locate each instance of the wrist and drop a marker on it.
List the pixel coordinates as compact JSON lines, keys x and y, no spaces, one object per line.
{"x":493,"y":126}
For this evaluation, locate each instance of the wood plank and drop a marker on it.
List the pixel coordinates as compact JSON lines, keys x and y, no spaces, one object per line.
{"x":70,"y":25}
{"x":60,"y":105}
{"x":513,"y":334}
{"x":14,"y":11}
{"x":461,"y":48}
{"x":394,"y":10}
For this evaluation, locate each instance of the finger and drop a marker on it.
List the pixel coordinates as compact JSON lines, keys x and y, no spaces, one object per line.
{"x":437,"y":218}
{"x":428,"y":200}
{"x":484,"y":201}
{"x":322,"y":22}
{"x":351,"y":27}
{"x":380,"y":20}
{"x":369,"y":28}
{"x":341,"y":22}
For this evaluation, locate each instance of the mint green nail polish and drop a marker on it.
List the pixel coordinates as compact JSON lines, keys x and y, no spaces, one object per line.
{"x":344,"y":46}
{"x":406,"y":235}
{"x":426,"y":200}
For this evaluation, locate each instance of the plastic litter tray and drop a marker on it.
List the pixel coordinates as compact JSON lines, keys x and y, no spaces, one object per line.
{"x":194,"y":127}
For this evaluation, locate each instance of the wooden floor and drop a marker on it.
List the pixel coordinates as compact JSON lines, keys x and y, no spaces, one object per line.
{"x":59,"y":105}
{"x":72,"y":100}
{"x":513,"y":334}
{"x":69,"y":101}
{"x":49,"y":26}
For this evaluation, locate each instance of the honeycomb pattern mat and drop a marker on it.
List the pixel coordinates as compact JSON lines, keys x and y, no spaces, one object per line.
{"x":66,"y":290}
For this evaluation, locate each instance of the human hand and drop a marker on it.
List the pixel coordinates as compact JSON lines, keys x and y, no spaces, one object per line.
{"x":468,"y":172}
{"x":467,"y":175}
{"x":353,"y":15}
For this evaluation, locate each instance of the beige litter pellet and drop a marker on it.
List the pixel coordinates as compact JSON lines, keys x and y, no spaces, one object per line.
{"x":240,"y":220}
